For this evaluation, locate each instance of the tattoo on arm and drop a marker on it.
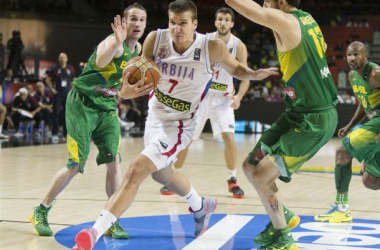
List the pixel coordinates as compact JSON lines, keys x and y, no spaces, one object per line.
{"x":273,"y":203}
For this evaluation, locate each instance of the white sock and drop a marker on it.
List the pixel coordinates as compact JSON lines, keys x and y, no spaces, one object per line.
{"x":342,"y":207}
{"x":231,"y":173}
{"x":1,"y":129}
{"x":46,"y":206}
{"x":193,"y":199}
{"x":104,"y":221}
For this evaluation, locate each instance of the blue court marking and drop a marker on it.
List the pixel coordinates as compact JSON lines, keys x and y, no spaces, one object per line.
{"x":175,"y":232}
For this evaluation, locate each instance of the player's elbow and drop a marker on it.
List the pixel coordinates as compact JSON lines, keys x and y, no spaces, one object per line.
{"x":99,"y":63}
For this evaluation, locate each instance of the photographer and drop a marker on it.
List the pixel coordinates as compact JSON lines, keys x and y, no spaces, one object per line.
{"x":15,"y":46}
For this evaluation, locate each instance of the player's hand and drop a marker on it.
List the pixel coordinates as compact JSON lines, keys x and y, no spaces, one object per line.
{"x":119,"y":27}
{"x":235,"y":102}
{"x":128,"y":91}
{"x":54,"y":91}
{"x":344,"y":131}
{"x":377,"y":138}
{"x":264,"y":73}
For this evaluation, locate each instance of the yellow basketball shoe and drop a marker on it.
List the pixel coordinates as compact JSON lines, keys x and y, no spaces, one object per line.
{"x":335,"y":216}
{"x":267,"y":236}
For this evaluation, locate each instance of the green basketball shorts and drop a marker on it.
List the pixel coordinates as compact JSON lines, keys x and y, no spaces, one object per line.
{"x":84,"y":121}
{"x":294,"y":138}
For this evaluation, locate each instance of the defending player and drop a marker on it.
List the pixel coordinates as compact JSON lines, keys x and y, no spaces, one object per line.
{"x":363,"y":142}
{"x":310,"y":118}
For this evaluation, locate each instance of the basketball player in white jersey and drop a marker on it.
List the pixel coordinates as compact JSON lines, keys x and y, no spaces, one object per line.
{"x":220,"y":102}
{"x":184,"y":58}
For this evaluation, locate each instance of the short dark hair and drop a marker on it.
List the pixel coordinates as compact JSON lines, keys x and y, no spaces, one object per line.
{"x":226,"y":10}
{"x":133,"y":6}
{"x":294,"y":3}
{"x":180,"y":6}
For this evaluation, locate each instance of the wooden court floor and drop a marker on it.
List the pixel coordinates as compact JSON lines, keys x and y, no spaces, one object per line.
{"x":26,"y":172}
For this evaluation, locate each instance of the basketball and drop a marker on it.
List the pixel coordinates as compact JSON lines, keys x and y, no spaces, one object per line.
{"x":140,"y":67}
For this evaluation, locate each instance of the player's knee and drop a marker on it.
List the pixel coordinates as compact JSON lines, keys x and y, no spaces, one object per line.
{"x":137,"y":172}
{"x":342,"y":155}
{"x":370,"y":181}
{"x":247,"y":167}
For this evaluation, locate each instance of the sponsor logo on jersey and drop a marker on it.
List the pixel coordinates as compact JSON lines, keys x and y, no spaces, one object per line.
{"x":197,"y":54}
{"x":219,"y":86}
{"x":325,"y":72}
{"x":106,"y":91}
{"x":163,"y":144}
{"x":172,"y":102}
{"x":291,"y":92}
{"x":359,"y":89}
{"x":230,"y":50}
{"x":231,"y":126}
{"x":163,"y":51}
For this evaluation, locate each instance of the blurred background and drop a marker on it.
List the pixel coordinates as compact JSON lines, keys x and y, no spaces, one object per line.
{"x":33,"y":33}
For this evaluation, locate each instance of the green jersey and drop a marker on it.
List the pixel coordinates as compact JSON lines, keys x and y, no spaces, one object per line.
{"x":101,"y":85}
{"x":306,"y":77}
{"x":368,"y":98}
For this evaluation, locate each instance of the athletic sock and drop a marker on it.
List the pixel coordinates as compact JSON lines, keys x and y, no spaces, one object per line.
{"x":231,"y":173}
{"x":103,"y":223}
{"x":341,"y":201}
{"x":194,"y":200}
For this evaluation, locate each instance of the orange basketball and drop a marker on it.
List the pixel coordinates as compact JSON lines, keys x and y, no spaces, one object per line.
{"x":140,"y":67}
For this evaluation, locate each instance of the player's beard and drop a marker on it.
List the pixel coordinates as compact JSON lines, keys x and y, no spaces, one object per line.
{"x":223,"y":33}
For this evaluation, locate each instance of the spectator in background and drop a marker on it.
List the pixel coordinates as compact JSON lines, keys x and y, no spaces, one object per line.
{"x":45,"y":102}
{"x":274,"y":96}
{"x":352,"y":23}
{"x":3,"y":114}
{"x":339,"y":50}
{"x":376,"y":37}
{"x":24,"y":108}
{"x":59,"y":81}
{"x":15,"y":46}
{"x":364,"y":23}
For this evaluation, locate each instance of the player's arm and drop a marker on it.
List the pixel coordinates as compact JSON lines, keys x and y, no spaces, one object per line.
{"x":274,"y":19}
{"x":356,"y":119}
{"x":112,"y":46}
{"x":218,"y":53}
{"x":149,"y":45}
{"x":241,"y":57}
{"x":128,"y":91}
{"x":374,"y":79}
{"x":49,"y":83}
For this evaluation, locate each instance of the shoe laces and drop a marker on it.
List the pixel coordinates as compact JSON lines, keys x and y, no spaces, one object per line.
{"x":116,"y":227}
{"x":268,"y":231}
{"x":333,"y":210}
{"x":41,"y":215}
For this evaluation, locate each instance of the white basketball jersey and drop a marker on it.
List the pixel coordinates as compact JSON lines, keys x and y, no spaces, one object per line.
{"x":184,"y":78}
{"x":222,"y":82}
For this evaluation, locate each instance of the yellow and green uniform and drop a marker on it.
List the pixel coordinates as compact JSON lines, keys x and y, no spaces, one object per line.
{"x":310,"y":119}
{"x":361,"y":142}
{"x":91,"y":110}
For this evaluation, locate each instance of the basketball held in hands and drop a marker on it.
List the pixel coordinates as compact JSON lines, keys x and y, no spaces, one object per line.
{"x":139,"y":68}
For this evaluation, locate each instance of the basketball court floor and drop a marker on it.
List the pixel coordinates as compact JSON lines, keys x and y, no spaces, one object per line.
{"x":163,"y":222}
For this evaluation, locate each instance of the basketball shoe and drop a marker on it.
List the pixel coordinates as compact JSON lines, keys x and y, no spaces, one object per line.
{"x":166,"y":191}
{"x":117,"y":232}
{"x":234,"y":188}
{"x":282,"y":240}
{"x":202,"y":217}
{"x":267,"y":236}
{"x":85,"y":239}
{"x":39,"y":220}
{"x":335,"y":215}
